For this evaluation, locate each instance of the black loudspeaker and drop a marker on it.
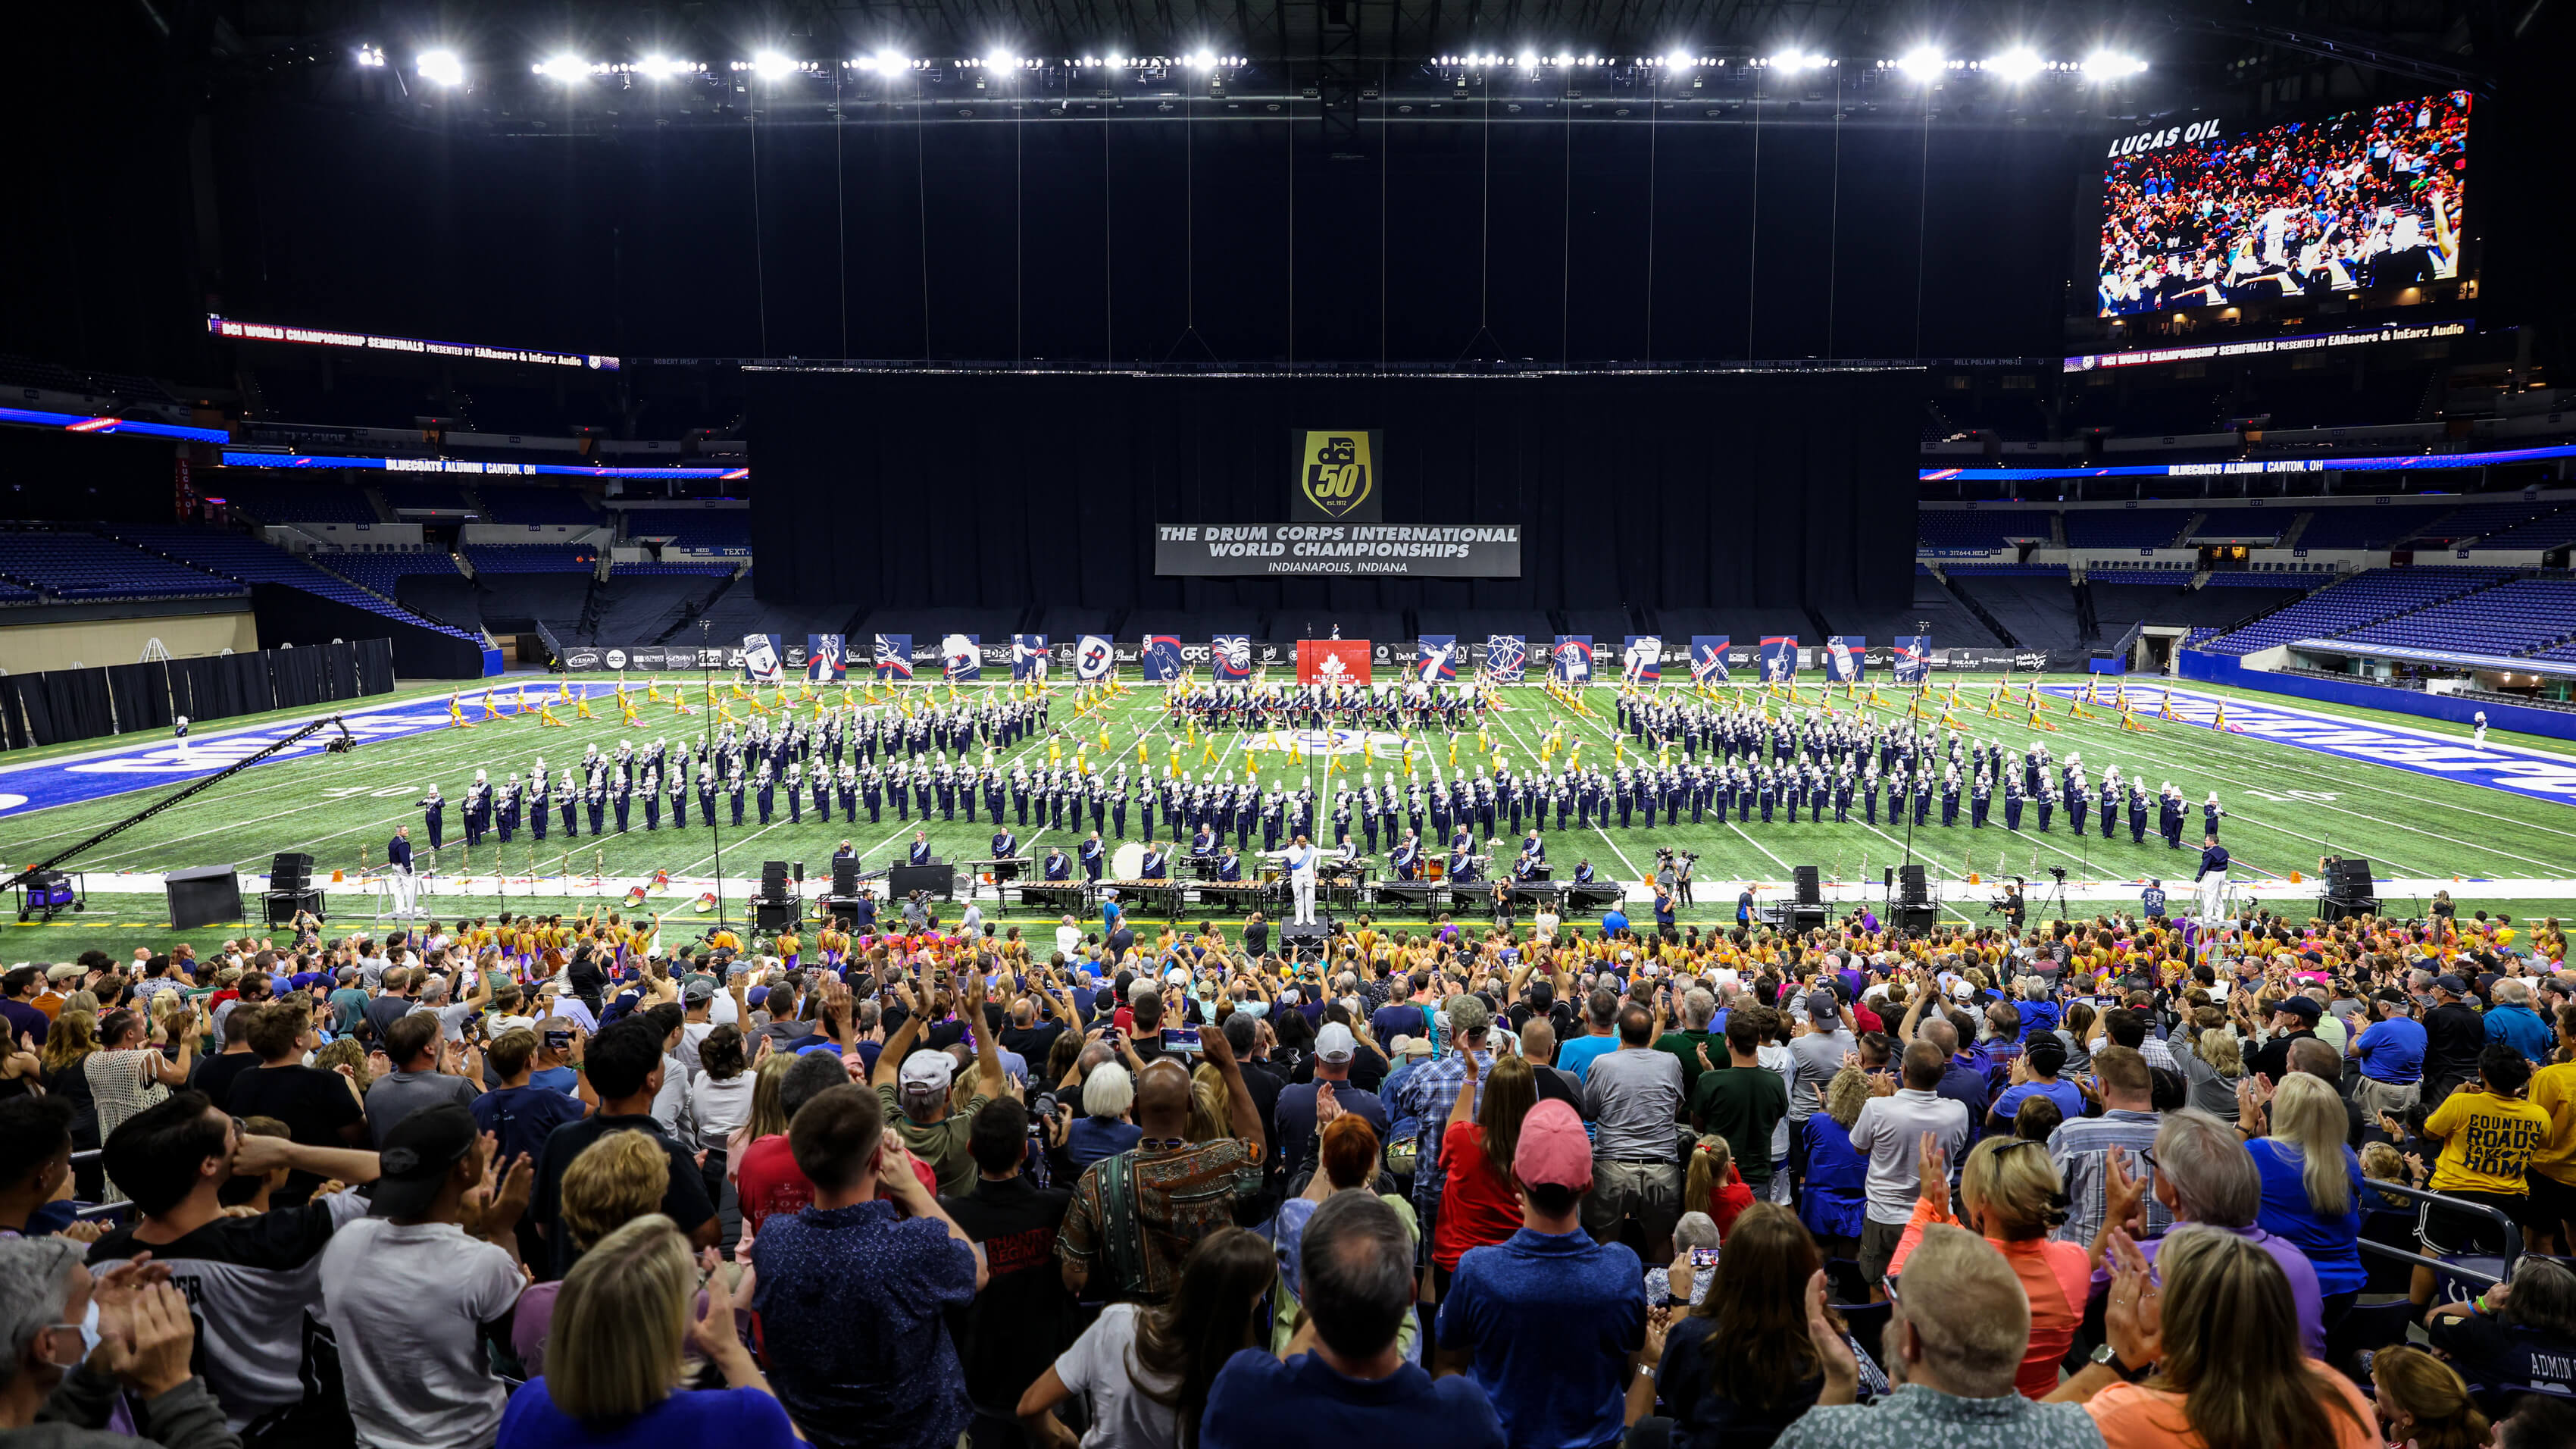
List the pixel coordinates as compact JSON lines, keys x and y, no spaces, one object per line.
{"x":288,"y":872}
{"x":773,"y":880}
{"x":845,"y":875}
{"x":1811,"y":891}
{"x":772,"y":915}
{"x":1914,"y":892}
{"x":205,"y":896}
{"x":939,"y":880}
{"x":1297,"y":937}
{"x":282,"y":905}
{"x":1916,"y":918}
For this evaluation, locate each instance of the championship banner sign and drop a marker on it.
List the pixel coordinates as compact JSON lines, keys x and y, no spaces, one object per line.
{"x":1336,"y":480}
{"x":1332,"y":661}
{"x":761,"y":659}
{"x":1159,"y":658}
{"x":1779,"y":658}
{"x":827,"y":658}
{"x":1326,"y":550}
{"x":961,"y":657}
{"x":892,"y":656}
{"x":1029,"y":657}
{"x":1094,"y":658}
{"x":1913,"y":658}
{"x":1506,"y":658}
{"x":1846,"y":656}
{"x":1642,"y":660}
{"x":1435,"y":658}
{"x":1708,"y":658}
{"x":1230,"y":658}
{"x":1570,"y":662}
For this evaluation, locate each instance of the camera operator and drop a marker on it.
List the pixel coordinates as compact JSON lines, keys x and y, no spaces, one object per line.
{"x":1688,"y":860}
{"x":2012,"y":907}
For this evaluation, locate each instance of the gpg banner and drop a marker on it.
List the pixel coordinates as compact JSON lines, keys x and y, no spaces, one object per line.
{"x":761,"y":659}
{"x":1570,"y":661}
{"x":1028,"y":657}
{"x":1913,"y":658}
{"x":892,"y":655}
{"x":1779,"y":658}
{"x":1846,"y":657}
{"x":1708,"y":658}
{"x":1506,"y":657}
{"x":827,"y":658}
{"x":1160,"y":658}
{"x":1095,"y":658}
{"x":1230,"y":658}
{"x":1435,"y":658}
{"x":1641,"y":661}
{"x":961,"y":657}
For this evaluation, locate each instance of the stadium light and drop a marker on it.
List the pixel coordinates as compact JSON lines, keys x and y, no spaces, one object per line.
{"x":771,"y":65}
{"x":1203,"y":61}
{"x":1922,"y":63}
{"x":1792,"y":62}
{"x":371,"y":57}
{"x":565,"y":68}
{"x":440,"y":67}
{"x":1001,"y":60}
{"x":2016,"y":65}
{"x":2111,"y":65}
{"x":1528,"y":59}
{"x":1679,"y":60}
{"x":890,"y":62}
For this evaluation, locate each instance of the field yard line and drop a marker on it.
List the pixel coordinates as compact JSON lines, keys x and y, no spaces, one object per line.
{"x":1758,"y":845}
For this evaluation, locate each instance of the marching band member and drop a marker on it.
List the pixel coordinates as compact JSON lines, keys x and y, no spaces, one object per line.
{"x":434,"y":816}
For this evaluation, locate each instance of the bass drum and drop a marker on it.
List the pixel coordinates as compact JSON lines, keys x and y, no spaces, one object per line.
{"x":1127,"y":862}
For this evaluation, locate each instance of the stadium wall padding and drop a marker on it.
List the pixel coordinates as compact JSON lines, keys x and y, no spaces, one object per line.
{"x":62,"y":705}
{"x":1000,"y":491}
{"x":2211,"y":668}
{"x":289,"y":615}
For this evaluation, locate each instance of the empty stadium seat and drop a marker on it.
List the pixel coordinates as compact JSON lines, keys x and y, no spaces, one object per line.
{"x":531,"y":558}
{"x":1980,"y":527}
{"x":524,"y":503}
{"x":252,"y":561}
{"x":692,"y":527}
{"x":71,"y":565}
{"x":2511,"y":618}
{"x":2123,"y":527}
{"x":2364,"y":599}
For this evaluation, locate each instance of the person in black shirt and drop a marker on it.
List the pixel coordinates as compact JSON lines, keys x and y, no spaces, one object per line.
{"x":2521,"y":1332}
{"x":319,"y":1108}
{"x":624,"y":1064}
{"x":2294,"y":1018}
{"x":1023,"y":1317}
{"x":214,"y":1074}
{"x":2454,"y":1035}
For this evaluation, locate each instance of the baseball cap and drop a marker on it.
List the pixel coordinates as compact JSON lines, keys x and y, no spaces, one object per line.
{"x":2298,"y":1006}
{"x":1335,"y":1043}
{"x":1824,"y":1006}
{"x":698,"y":991}
{"x":418,"y":1153}
{"x":1552,"y":1148}
{"x":926,"y":1074}
{"x":2451,"y":984}
{"x":1413,"y":1046}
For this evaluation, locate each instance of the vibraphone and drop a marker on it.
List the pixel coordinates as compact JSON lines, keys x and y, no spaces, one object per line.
{"x":1244,"y":895}
{"x":1068,"y":896}
{"x":1136,"y":895}
{"x":1428,"y":895}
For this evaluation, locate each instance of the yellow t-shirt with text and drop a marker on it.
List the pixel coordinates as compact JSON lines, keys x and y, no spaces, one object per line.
{"x":2487,"y":1142}
{"x":2553,"y":1091}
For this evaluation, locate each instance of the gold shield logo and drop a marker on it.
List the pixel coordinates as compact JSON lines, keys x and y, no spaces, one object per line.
{"x":1338,"y":472}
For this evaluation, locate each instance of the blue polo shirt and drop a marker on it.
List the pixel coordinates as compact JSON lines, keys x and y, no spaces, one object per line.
{"x":1551,"y":1319}
{"x":1257,"y":1402}
{"x":2392,"y":1051}
{"x":1577,"y":1055}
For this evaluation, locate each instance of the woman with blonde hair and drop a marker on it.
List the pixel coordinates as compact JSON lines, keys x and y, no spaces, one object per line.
{"x":2212,"y":1327}
{"x":2214,"y":1068}
{"x":2423,"y":1402}
{"x":2312,"y":1186}
{"x":1834,"y":1199}
{"x":629,"y":1329}
{"x":1712,"y":1185}
{"x":2010,"y":1195}
{"x":615,"y":1180}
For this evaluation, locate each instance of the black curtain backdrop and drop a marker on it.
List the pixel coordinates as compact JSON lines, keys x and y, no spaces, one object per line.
{"x":31,"y":719}
{"x":80,"y":703}
{"x":73,"y":704}
{"x":297,"y":675}
{"x":1003,"y":491}
{"x":375,"y":666}
{"x":142,"y":693}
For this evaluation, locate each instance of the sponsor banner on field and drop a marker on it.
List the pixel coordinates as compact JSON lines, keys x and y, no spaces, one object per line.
{"x":1333,"y":661}
{"x":1846,"y":656}
{"x":1094,"y":658}
{"x":1435,"y":658}
{"x":1780,"y":659}
{"x":827,"y":658}
{"x":1641,"y":659}
{"x":1569,"y":660}
{"x":1230,"y":658}
{"x":763,"y":660}
{"x":1913,"y":658}
{"x":1506,"y":657}
{"x":1377,"y":744}
{"x":1028,"y":657}
{"x":1160,"y":657}
{"x":1708,"y":658}
{"x":893,"y":658}
{"x":961,"y":657}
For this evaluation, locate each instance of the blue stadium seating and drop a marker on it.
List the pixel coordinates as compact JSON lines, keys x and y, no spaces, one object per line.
{"x":2245,"y":523}
{"x":2123,"y":527}
{"x":253,"y":561}
{"x":530,"y":558}
{"x":1979,"y":528}
{"x":2552,"y":530}
{"x":2474,"y":520}
{"x":523,"y":503}
{"x":649,"y":570}
{"x":383,"y":571}
{"x":277,"y":500}
{"x":2367,"y":527}
{"x":2356,"y":603}
{"x":692,"y":527}
{"x":2511,"y":618}
{"x":71,"y":565}
{"x":423,"y":493}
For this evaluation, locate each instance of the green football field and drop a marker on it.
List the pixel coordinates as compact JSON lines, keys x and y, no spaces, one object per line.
{"x":2286,"y":807}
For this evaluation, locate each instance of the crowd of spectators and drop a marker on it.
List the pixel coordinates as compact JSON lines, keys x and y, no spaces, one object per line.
{"x":2101,"y":1183}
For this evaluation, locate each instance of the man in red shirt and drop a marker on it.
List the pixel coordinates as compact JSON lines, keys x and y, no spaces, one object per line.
{"x":766,"y":1177}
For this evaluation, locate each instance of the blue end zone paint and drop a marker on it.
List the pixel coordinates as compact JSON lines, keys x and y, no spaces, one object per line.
{"x":2521,"y":719}
{"x":2535,"y":774}
{"x":77,"y":779}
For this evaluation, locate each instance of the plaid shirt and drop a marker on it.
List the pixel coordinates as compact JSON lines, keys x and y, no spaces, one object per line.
{"x":1429,"y":1095}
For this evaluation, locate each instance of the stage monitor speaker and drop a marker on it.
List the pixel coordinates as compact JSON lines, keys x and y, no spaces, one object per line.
{"x":1807,"y":917}
{"x":773,"y":879}
{"x":289,"y":872}
{"x":204,"y":896}
{"x":1914,"y":892}
{"x":845,"y":875}
{"x":939,"y":880}
{"x":773,"y":915}
{"x":1916,"y":918}
{"x":1296,"y":936}
{"x":1810,"y":887}
{"x":282,"y":905}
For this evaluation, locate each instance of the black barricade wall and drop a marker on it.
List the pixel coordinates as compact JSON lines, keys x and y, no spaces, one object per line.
{"x":291,"y":616}
{"x":297,"y":676}
{"x":993,"y":491}
{"x":142,"y":694}
{"x":339,"y":671}
{"x":80,"y":703}
{"x":375,"y":666}
{"x":77,"y":704}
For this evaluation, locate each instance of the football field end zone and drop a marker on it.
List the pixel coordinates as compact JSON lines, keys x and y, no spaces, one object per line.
{"x":2230,"y":670}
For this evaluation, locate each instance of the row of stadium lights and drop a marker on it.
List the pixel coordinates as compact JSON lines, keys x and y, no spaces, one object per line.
{"x":446,"y":68}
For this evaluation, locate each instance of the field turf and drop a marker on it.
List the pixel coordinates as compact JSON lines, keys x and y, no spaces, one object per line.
{"x":2286,"y":806}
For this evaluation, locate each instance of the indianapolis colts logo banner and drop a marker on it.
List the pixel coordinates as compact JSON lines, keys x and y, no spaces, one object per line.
{"x":1507,"y":657}
{"x":1028,"y":656}
{"x":1230,"y":658}
{"x":827,"y":658}
{"x":1708,"y":658}
{"x":1642,"y":660}
{"x":893,"y":657}
{"x":760,"y":659}
{"x":1779,"y":658}
{"x":1846,"y":658}
{"x":1570,"y":662}
{"x":1160,"y":659}
{"x":1094,"y":658}
{"x":961,"y":656}
{"x":1913,"y":658}
{"x":1435,"y":658}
